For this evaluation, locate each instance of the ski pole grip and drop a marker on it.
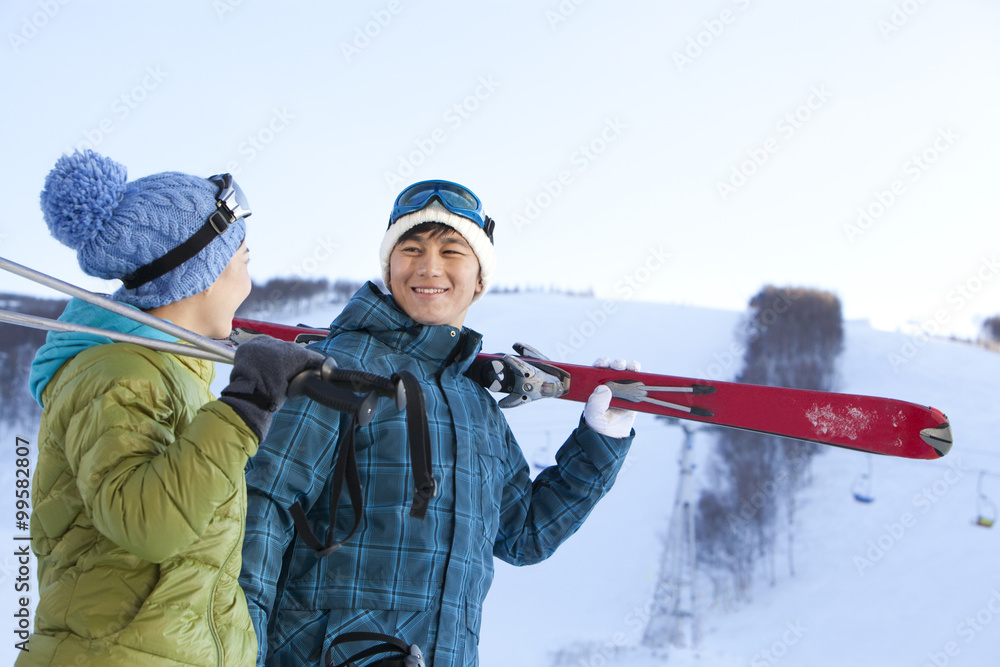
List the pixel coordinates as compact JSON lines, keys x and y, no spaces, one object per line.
{"x":355,"y":380}
{"x":311,"y":385}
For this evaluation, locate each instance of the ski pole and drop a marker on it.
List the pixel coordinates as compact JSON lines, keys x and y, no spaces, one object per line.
{"x":45,"y":324}
{"x":316,"y":385}
{"x":207,"y":344}
{"x":313,"y":384}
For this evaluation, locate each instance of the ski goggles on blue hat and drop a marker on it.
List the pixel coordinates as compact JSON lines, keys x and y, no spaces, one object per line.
{"x":456,"y":198}
{"x":230,"y":205}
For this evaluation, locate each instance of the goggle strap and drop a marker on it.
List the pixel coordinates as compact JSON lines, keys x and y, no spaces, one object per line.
{"x":213,"y":227}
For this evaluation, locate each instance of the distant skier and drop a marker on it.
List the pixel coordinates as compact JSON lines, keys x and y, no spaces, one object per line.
{"x":423,"y":581}
{"x":139,"y":496}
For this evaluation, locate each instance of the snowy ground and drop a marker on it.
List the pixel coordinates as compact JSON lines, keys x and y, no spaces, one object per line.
{"x":907,"y":580}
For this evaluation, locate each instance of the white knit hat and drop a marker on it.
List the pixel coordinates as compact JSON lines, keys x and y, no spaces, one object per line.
{"x":470,"y":231}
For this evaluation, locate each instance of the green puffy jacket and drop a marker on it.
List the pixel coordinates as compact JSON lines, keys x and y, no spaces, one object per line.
{"x":139,"y":506}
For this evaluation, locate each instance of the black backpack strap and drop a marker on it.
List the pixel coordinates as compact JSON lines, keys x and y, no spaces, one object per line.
{"x":418,"y":434}
{"x":345,"y":469}
{"x":405,"y":655}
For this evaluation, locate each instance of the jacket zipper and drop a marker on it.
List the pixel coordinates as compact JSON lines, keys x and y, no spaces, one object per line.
{"x":211,"y":599}
{"x":219,"y":652}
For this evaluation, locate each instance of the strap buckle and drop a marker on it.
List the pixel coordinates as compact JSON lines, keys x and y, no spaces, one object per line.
{"x":222,"y":225}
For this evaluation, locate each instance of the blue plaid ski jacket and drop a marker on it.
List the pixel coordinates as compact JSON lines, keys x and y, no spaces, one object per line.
{"x":421,"y":580}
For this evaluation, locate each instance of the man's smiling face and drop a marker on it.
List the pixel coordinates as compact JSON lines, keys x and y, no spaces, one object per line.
{"x":434,"y":276}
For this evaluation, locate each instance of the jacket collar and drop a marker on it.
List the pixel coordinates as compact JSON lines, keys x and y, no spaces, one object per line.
{"x":377,"y":314}
{"x":62,"y":346}
{"x":203,"y":368}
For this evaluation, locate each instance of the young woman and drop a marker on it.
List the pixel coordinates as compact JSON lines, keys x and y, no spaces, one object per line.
{"x":139,"y":499}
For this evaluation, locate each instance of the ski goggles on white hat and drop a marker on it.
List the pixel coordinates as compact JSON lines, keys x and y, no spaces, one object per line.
{"x":456,"y":198}
{"x":230,"y":205}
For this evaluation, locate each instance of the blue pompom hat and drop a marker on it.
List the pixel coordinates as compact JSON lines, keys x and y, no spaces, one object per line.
{"x":117,"y":226}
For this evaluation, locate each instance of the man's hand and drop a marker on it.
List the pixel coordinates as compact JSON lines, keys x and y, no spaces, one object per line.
{"x":598,"y":413}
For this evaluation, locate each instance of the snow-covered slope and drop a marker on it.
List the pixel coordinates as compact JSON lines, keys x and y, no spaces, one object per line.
{"x":906,"y":580}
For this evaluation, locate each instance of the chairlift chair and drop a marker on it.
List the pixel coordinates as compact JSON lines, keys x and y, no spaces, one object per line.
{"x":986,"y":509}
{"x":862,"y":487}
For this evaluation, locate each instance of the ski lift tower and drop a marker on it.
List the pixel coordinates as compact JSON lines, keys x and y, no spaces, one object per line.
{"x":674,"y":617}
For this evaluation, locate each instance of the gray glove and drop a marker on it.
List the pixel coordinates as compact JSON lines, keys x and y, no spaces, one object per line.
{"x":262,"y":370}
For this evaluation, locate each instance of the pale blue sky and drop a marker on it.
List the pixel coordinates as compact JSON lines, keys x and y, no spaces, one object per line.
{"x":685,"y":151}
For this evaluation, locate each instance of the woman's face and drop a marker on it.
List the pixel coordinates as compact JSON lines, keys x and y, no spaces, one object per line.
{"x":228,"y":291}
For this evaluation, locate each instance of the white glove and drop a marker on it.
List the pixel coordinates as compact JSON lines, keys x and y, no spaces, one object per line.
{"x":612,"y":422}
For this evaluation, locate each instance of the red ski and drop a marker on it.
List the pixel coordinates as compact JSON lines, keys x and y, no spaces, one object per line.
{"x":863,"y":423}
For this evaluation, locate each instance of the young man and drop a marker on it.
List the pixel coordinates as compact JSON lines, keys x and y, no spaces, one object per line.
{"x":423,"y":581}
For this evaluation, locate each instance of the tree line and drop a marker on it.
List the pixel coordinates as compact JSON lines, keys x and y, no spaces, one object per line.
{"x":17,"y":349}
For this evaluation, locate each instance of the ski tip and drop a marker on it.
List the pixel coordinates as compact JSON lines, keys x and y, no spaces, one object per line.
{"x":939,"y":438}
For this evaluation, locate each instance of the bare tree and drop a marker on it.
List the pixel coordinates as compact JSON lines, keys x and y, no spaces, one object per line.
{"x":792,"y":338}
{"x":990,"y":331}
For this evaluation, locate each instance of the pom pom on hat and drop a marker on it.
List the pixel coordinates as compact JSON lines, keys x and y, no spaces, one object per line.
{"x":473,"y":234}
{"x":117,"y":226}
{"x":80,"y":196}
